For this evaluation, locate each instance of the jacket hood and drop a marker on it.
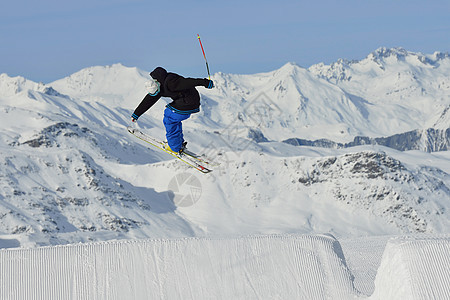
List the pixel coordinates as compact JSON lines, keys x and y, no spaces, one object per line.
{"x":159,"y":74}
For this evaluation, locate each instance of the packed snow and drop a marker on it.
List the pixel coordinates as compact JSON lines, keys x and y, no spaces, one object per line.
{"x":71,"y":173}
{"x":252,"y":267}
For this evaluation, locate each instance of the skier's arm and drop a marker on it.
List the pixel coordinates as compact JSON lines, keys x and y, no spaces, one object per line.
{"x":180,"y":83}
{"x":145,"y":105}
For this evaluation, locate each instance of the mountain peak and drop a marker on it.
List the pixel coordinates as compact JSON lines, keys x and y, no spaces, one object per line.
{"x":117,"y":68}
{"x":114,"y":83}
{"x":400,"y":54}
{"x":384,"y":52}
{"x":10,"y":86}
{"x":290,"y":66}
{"x":287,"y":70}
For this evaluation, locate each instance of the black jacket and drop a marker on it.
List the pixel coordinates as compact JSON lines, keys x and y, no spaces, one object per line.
{"x":186,"y":99}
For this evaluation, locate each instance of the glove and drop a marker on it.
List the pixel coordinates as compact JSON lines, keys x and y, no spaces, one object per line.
{"x":209,"y":84}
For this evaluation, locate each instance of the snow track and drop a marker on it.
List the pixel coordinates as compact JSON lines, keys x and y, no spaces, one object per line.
{"x":257,"y":267}
{"x":254,"y":267}
{"x":414,"y":268}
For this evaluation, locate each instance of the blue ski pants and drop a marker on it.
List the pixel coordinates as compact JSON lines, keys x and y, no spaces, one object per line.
{"x":174,"y":129}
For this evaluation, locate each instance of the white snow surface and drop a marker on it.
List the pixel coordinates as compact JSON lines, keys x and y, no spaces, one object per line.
{"x":414,"y":268}
{"x":70,"y":173}
{"x":252,"y":267}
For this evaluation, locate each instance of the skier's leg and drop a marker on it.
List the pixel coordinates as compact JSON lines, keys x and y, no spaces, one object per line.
{"x":171,"y":129}
{"x":174,"y":129}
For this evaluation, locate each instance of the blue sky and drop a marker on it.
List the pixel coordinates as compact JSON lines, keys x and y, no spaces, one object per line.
{"x":50,"y":39}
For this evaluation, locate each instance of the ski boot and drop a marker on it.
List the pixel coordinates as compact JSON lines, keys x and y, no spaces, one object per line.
{"x":180,"y":152}
{"x":183,"y":147}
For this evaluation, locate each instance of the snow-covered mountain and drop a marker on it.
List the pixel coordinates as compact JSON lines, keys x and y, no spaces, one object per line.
{"x":390,"y":92}
{"x":70,"y":171}
{"x":113,"y":85}
{"x":412,"y":88}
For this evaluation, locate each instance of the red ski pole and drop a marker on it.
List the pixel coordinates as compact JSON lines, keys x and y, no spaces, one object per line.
{"x":207,"y":67}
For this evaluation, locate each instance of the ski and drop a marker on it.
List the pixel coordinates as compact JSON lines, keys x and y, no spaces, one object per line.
{"x":191,"y":159}
{"x":201,"y":158}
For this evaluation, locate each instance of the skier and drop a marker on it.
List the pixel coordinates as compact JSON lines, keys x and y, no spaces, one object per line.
{"x":186,"y":101}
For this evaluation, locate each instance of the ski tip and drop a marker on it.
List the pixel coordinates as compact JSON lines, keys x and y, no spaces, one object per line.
{"x":204,"y":170}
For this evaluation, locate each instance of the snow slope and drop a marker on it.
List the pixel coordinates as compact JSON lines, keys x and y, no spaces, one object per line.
{"x":253,"y":267}
{"x":414,"y":268}
{"x":71,"y":173}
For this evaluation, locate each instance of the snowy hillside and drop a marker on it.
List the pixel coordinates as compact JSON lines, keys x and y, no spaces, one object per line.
{"x":70,"y":172}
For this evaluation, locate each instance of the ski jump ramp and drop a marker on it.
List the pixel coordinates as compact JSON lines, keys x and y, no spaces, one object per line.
{"x":254,"y":267}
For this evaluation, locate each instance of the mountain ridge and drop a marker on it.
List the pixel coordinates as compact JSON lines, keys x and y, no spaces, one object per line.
{"x":71,"y":172}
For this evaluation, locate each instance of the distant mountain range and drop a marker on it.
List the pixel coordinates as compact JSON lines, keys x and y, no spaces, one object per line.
{"x":429,"y":140}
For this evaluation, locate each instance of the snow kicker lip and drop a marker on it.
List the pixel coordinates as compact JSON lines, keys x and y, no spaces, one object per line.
{"x":261,"y":266}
